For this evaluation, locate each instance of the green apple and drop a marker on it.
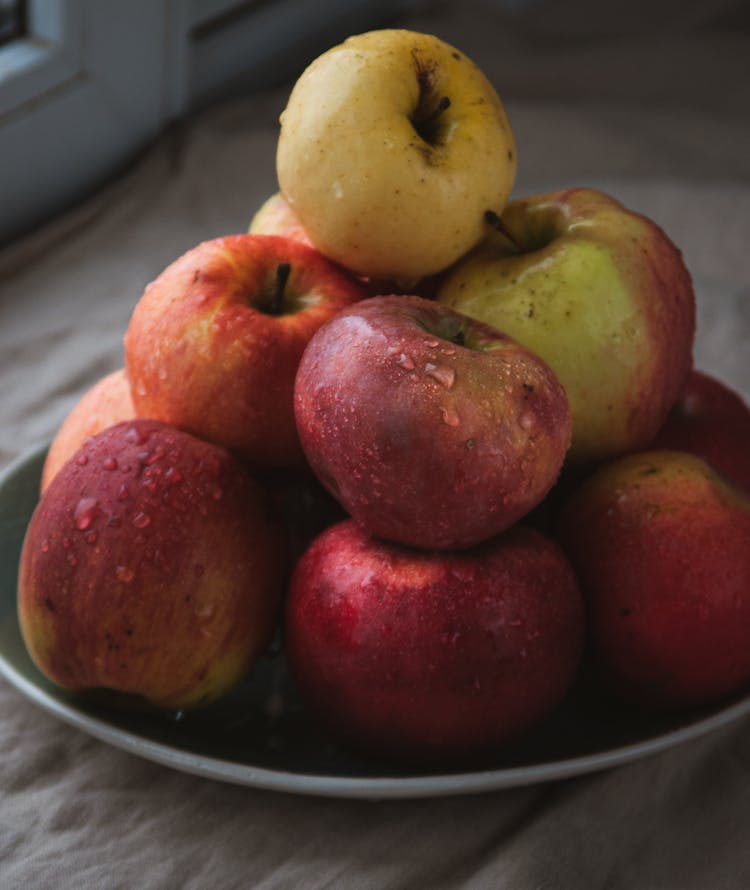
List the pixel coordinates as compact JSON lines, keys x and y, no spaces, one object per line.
{"x":602,"y":295}
{"x":393,"y":145}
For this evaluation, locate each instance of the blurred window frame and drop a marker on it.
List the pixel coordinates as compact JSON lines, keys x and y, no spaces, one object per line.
{"x":92,"y":82}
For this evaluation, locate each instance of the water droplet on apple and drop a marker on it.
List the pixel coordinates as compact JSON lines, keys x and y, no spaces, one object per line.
{"x":449,"y":416}
{"x":124,"y":574}
{"x":67,"y":543}
{"x":405,"y":362}
{"x":45,"y":546}
{"x":136,"y":435}
{"x":141,"y":520}
{"x":431,"y":343}
{"x":72,"y":560}
{"x":173,"y":476}
{"x":92,"y":537}
{"x":82,"y":460}
{"x":445,"y":376}
{"x":86,"y":512}
{"x":205,"y":612}
{"x":110,"y":463}
{"x":157,"y":454}
{"x":162,"y":373}
{"x":526,"y":421}
{"x":338,"y":192}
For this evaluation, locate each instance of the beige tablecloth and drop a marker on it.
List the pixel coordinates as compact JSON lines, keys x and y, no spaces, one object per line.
{"x":650,"y":101}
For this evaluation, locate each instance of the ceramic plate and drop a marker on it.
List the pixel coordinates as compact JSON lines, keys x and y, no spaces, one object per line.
{"x":261,"y":737}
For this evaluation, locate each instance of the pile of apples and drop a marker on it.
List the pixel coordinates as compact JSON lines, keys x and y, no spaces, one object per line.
{"x":497,"y":397}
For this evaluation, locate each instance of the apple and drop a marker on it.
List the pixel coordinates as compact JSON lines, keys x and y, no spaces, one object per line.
{"x":661,"y":545}
{"x":151,"y":567}
{"x":430,"y":429}
{"x":711,"y":421}
{"x":432,"y":656}
{"x":602,"y":295}
{"x":213,"y":344}
{"x":276,"y":217}
{"x":392,"y":146}
{"x":106,"y":403}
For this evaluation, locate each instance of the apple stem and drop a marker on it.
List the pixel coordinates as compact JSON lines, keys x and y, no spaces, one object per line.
{"x":442,"y":105}
{"x":493,"y":219}
{"x":282,"y":276}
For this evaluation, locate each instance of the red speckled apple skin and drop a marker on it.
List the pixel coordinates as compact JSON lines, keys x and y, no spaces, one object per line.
{"x":711,"y":421}
{"x":424,"y":441}
{"x":662,"y":548}
{"x":433,"y":657}
{"x":202,"y":356}
{"x":150,"y":566}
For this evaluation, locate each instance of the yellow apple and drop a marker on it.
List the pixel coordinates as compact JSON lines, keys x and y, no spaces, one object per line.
{"x":393,"y":146}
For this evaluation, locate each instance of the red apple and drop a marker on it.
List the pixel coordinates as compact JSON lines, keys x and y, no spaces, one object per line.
{"x":431,"y":429}
{"x":711,"y":421}
{"x":661,"y":545}
{"x":106,"y":403}
{"x":151,"y":567}
{"x":427,"y":656}
{"x":214,"y":343}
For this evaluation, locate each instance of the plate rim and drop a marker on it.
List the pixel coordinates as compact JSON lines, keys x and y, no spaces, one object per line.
{"x":353,"y":787}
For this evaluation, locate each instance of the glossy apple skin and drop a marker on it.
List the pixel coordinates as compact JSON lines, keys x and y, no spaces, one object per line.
{"x":603,"y":296}
{"x":661,"y":545}
{"x":422,"y":440}
{"x":432,"y":657}
{"x":152,"y":567}
{"x":203,"y":352}
{"x":376,"y":190}
{"x":276,"y":217}
{"x":106,"y":403}
{"x":711,"y":421}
